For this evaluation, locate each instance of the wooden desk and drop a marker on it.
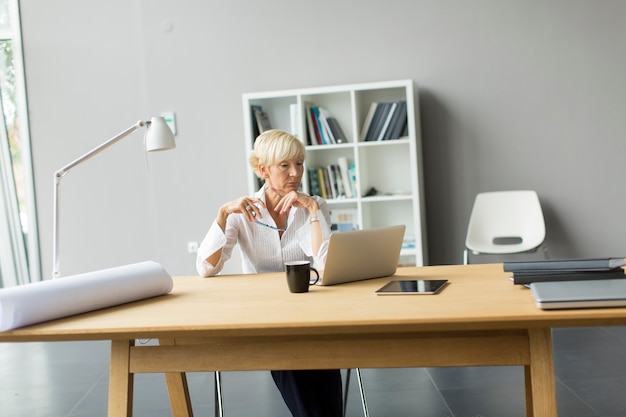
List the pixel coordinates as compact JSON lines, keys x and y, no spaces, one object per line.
{"x":252,"y":322}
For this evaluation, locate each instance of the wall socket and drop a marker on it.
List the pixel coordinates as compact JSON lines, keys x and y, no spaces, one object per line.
{"x":192,"y":247}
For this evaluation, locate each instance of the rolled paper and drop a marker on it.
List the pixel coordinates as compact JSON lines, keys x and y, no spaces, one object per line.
{"x":37,"y":302}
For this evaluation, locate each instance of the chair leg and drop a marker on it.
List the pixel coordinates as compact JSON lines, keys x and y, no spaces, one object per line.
{"x":219,"y":406}
{"x":345,"y":391}
{"x":362,"y":391}
{"x":465,"y":257}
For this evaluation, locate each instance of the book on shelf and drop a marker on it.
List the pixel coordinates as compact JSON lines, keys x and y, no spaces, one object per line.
{"x":341,"y":192}
{"x":332,"y":182}
{"x":314,"y":185}
{"x":344,"y":220}
{"x":345,"y":176}
{"x":294,"y":118}
{"x":312,"y":137}
{"x":352,"y":173}
{"x":322,"y":182}
{"x":255,"y":127}
{"x":262,"y":119}
{"x":328,"y":185}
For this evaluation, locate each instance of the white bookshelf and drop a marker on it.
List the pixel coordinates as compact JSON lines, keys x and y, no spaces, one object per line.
{"x":393,"y":167}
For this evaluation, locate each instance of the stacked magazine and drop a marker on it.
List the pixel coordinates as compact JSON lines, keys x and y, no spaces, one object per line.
{"x":527,"y":272}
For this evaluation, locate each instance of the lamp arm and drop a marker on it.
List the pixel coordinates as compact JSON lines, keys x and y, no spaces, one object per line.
{"x":57,"y":183}
{"x":99,"y":148}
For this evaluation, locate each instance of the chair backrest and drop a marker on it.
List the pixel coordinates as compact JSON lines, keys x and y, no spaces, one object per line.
{"x":505,"y":222}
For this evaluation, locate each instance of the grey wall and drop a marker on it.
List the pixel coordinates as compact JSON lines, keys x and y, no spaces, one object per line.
{"x":513,"y":94}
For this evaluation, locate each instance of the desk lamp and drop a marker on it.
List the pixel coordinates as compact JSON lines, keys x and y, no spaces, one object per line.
{"x":158,"y":137}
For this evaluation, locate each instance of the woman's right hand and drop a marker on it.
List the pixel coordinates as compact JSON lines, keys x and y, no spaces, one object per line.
{"x":248,"y":206}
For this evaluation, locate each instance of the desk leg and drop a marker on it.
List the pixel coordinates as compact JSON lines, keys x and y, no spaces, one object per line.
{"x":539,"y":375}
{"x":180,"y":401}
{"x":121,"y":380}
{"x":529,"y":391}
{"x":179,"y":394}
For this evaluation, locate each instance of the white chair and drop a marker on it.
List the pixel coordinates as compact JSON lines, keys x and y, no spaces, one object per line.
{"x":505,"y":222}
{"x":219,"y":402}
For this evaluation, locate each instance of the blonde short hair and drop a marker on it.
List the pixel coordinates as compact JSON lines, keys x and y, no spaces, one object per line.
{"x":274,"y":146}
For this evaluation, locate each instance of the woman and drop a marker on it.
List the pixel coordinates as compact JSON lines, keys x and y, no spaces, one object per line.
{"x":276,"y":225}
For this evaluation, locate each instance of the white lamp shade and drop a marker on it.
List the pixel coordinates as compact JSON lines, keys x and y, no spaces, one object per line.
{"x":159,"y":136}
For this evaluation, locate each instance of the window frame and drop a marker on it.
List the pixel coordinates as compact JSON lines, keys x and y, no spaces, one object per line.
{"x":33,"y":256}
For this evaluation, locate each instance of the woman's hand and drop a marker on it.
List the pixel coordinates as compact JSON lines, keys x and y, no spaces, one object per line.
{"x":296,"y":199}
{"x":248,"y":206}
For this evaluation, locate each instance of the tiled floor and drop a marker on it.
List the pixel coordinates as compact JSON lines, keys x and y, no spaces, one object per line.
{"x":71,"y":379}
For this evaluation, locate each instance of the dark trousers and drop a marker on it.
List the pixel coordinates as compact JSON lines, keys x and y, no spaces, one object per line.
{"x":315,"y":393}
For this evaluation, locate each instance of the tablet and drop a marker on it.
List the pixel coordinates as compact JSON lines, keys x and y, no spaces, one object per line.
{"x":414,"y":286}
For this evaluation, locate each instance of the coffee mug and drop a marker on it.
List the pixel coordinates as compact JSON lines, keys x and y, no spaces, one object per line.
{"x":299,"y":275}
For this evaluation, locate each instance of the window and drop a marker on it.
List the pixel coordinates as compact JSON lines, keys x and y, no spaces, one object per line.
{"x":19,"y":241}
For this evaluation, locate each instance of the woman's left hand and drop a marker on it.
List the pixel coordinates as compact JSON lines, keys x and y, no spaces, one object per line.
{"x":296,"y":199}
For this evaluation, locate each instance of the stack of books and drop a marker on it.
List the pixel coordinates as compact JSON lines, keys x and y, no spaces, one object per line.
{"x":334,"y":180}
{"x":323,"y":128}
{"x":385,"y":121}
{"x":527,"y":272}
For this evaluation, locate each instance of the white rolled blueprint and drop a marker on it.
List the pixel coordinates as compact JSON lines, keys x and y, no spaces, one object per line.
{"x":27,"y":304}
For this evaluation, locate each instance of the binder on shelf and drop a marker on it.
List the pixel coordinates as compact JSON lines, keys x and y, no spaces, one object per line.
{"x":398,"y":122}
{"x":377,"y":121}
{"x":387,"y":120}
{"x":337,"y":131}
{"x":368,"y":121}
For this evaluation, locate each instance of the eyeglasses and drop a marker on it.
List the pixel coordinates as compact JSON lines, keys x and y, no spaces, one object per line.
{"x":280,"y":229}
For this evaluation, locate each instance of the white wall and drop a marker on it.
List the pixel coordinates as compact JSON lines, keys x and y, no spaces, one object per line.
{"x":514,"y":94}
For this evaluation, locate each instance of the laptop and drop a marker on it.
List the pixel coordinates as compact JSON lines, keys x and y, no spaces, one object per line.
{"x":362,"y":254}
{"x":580,"y":294}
